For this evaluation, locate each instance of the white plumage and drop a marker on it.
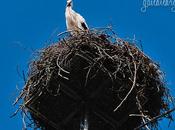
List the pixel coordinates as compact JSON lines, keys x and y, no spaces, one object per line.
{"x":74,"y":21}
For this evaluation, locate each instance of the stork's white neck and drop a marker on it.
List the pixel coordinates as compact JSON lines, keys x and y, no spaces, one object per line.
{"x":69,"y":9}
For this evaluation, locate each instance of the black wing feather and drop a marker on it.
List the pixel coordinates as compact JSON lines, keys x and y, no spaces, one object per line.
{"x":84,"y":26}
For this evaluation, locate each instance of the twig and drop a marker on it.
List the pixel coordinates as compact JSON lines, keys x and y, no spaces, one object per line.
{"x":63,"y":33}
{"x":41,"y":116}
{"x":155,"y":118}
{"x":24,"y":122}
{"x":133,"y":85}
{"x":141,"y":112}
{"x":15,"y":113}
{"x":60,"y":68}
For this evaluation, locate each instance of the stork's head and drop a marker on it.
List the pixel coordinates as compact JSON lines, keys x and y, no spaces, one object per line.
{"x":69,"y":3}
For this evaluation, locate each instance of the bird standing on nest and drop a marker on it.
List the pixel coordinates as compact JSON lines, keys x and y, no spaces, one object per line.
{"x":74,"y":21}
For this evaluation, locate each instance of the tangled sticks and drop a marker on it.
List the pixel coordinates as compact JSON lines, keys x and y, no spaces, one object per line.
{"x":94,"y":78}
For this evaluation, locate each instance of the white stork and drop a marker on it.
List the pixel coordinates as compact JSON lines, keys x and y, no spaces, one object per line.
{"x":74,"y":21}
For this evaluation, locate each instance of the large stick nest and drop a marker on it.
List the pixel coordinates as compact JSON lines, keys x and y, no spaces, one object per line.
{"x":111,"y":80}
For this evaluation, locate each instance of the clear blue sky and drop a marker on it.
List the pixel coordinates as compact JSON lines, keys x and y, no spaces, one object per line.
{"x":25,"y":25}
